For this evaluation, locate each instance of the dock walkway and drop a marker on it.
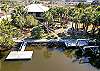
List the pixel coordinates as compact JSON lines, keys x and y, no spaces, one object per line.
{"x":28,"y":54}
{"x":20,"y":55}
{"x":16,"y":55}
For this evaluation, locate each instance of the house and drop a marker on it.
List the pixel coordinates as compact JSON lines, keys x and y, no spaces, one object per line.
{"x":37,"y":10}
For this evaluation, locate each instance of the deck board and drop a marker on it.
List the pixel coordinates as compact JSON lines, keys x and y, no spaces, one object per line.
{"x":19,"y":55}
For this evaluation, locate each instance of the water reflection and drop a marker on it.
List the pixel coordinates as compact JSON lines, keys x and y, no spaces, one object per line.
{"x":0,"y":65}
{"x":47,"y":53}
{"x":11,"y":66}
{"x":44,"y":59}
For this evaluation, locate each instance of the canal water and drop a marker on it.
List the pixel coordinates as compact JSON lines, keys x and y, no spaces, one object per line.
{"x":44,"y":59}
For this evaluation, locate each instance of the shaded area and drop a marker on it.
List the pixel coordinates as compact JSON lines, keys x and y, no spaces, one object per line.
{"x":89,"y":54}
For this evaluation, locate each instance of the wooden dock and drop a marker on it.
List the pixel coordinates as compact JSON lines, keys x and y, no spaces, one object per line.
{"x":14,"y":55}
{"x":19,"y":55}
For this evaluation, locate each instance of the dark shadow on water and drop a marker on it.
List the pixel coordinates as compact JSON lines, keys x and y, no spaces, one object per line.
{"x":94,"y":59}
{"x":17,"y":60}
{"x":95,"y":62}
{"x":58,"y":49}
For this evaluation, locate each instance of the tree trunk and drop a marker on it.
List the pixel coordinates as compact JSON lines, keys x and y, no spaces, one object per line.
{"x":93,"y":30}
{"x":76,"y":26}
{"x":72,"y":28}
{"x":98,"y":33}
{"x":61,"y":19}
{"x":83,"y":26}
{"x":72,"y":25}
{"x":86,"y":28}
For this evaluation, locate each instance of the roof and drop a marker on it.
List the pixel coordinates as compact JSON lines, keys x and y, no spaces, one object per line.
{"x":37,"y":8}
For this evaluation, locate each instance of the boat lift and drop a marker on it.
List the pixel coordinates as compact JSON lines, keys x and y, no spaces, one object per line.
{"x":76,"y":42}
{"x":89,"y":52}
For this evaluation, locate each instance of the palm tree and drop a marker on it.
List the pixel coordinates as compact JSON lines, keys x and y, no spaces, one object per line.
{"x":18,"y":16}
{"x":48,"y":16}
{"x":76,"y":17}
{"x":86,"y":17}
{"x":96,"y":21}
{"x":71,"y":15}
{"x":90,"y":14}
{"x":60,"y":11}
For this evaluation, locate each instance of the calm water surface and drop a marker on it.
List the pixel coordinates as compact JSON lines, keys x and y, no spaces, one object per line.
{"x":45,"y":60}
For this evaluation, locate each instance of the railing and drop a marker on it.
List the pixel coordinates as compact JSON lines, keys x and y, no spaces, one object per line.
{"x":23,"y":45}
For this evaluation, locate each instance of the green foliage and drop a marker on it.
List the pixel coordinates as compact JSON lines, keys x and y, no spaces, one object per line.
{"x":30,"y":21}
{"x":37,"y":32}
{"x":5,"y":7}
{"x":53,"y":13}
{"x":51,"y":37}
{"x":6,"y":42}
{"x":18,"y":16}
{"x":7,"y":32}
{"x":82,"y":13}
{"x":11,"y":28}
{"x":71,"y":13}
{"x":48,"y":16}
{"x":21,"y":19}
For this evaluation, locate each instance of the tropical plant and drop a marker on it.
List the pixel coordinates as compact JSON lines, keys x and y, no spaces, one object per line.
{"x":18,"y":16}
{"x":71,"y":14}
{"x":5,"y":6}
{"x":7,"y":32}
{"x":53,"y":14}
{"x":37,"y":32}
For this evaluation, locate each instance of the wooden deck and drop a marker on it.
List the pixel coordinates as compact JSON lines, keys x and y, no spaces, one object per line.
{"x":19,"y":55}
